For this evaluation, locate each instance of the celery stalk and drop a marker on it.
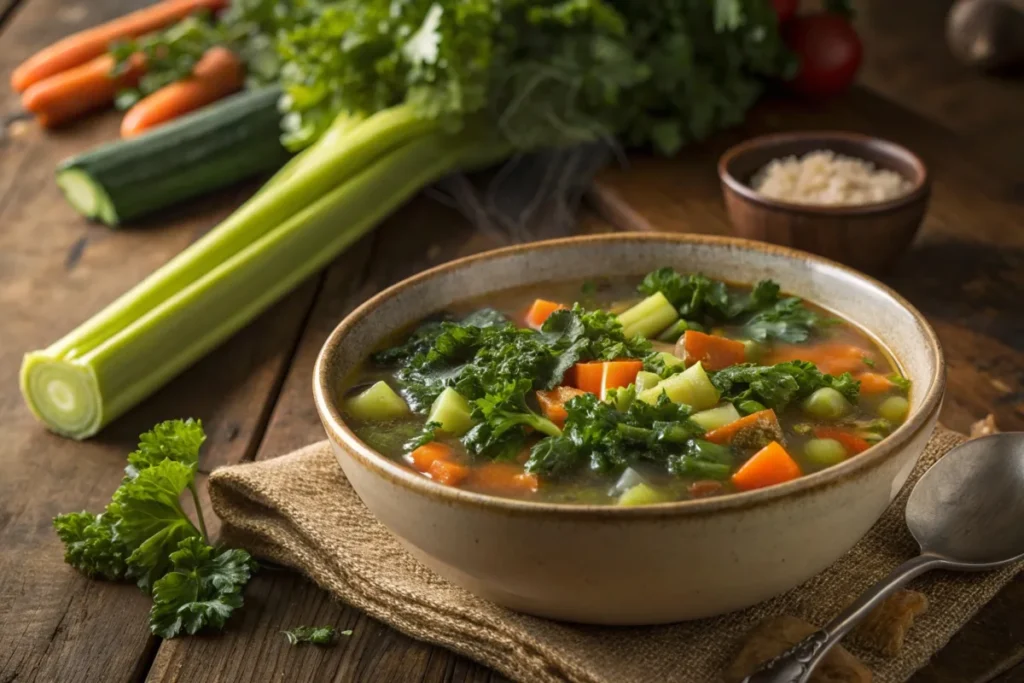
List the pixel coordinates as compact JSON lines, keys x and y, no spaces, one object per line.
{"x":150,"y":336}
{"x":343,"y":151}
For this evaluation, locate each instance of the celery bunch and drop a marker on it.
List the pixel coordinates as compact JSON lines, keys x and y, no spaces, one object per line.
{"x":384,"y":98}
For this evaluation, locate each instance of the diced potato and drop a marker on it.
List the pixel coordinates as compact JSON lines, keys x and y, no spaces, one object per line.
{"x":452,"y":411}
{"x":379,"y":402}
{"x":716,"y":417}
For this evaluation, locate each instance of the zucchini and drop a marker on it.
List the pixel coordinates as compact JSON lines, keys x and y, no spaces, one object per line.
{"x":228,"y":141}
{"x":649,"y":317}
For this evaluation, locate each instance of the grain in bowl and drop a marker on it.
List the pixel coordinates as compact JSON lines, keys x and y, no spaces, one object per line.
{"x":825,"y":178}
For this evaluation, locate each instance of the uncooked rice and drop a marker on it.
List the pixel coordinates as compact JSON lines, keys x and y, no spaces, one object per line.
{"x":824,"y":177}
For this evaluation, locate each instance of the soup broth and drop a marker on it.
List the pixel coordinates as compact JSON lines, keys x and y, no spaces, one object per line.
{"x":624,"y":391}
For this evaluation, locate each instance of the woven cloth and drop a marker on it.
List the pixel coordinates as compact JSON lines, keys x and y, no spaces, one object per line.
{"x":298,"y":510}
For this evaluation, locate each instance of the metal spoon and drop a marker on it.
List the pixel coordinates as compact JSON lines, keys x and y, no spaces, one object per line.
{"x":966,"y":513}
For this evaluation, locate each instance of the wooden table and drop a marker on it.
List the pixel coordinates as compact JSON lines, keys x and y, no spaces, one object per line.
{"x":966,"y":273}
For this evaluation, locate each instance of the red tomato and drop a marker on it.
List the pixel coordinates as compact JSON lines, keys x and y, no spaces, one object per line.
{"x":829,"y":52}
{"x":785,"y":9}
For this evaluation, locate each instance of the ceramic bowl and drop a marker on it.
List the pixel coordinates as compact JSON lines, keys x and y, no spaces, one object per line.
{"x":641,"y":565}
{"x":869,"y":237}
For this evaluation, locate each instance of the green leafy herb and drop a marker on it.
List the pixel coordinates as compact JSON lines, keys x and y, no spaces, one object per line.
{"x":776,"y":386}
{"x":901,"y":382}
{"x":426,"y":435}
{"x":201,"y":590}
{"x":600,"y":436}
{"x":89,"y":544}
{"x":145,"y":535}
{"x":763,"y":314}
{"x":868,"y":361}
{"x":317,"y":635}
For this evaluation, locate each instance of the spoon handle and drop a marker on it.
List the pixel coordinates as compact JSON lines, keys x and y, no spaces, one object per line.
{"x":796,"y":664}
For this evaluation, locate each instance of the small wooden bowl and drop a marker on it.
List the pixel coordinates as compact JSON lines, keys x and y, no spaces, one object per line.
{"x":869,"y":237}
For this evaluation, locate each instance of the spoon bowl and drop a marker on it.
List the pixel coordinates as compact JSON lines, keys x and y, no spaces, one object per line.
{"x":969,"y":507}
{"x":965,"y":512}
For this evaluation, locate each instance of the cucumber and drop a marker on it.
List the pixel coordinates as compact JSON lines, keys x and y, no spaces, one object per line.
{"x":716,"y":417}
{"x":379,"y":403}
{"x":452,"y":411}
{"x":228,"y":141}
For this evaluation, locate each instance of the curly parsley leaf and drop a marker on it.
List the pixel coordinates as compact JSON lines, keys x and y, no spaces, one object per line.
{"x":89,"y":544}
{"x":502,"y":418}
{"x":776,"y":386}
{"x":787,"y":321}
{"x":201,"y":589}
{"x":152,"y":522}
{"x":316,"y":635}
{"x":901,"y":382}
{"x":177,"y":440}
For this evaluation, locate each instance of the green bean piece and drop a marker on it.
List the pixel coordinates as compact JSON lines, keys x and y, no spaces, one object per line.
{"x":750,"y":406}
{"x":894,"y":409}
{"x":710,"y":452}
{"x":675,"y":331}
{"x":824,"y":452}
{"x":703,"y":469}
{"x":826,"y":404}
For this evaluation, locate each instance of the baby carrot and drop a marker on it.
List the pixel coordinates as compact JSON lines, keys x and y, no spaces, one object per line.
{"x":79,"y":48}
{"x":448,"y":473}
{"x":72,"y":93}
{"x":217,"y":74}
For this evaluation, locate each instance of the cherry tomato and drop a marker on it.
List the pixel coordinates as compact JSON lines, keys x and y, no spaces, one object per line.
{"x":829,"y":52}
{"x":785,"y":9}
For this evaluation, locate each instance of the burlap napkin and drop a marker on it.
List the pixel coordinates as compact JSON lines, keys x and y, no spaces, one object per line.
{"x":298,"y":510}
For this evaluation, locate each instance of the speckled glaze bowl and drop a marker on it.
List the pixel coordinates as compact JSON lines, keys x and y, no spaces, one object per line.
{"x":640,"y":565}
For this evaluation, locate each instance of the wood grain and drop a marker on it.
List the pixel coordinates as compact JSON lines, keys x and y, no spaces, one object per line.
{"x":55,"y":270}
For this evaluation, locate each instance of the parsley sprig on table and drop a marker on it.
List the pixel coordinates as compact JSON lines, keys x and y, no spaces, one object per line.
{"x":316,"y":635}
{"x":145,"y":535}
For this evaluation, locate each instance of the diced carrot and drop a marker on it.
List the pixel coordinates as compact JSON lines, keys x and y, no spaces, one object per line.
{"x":762,"y":421}
{"x":552,"y":403}
{"x":448,"y":473}
{"x":539,"y":312}
{"x":599,"y":377}
{"x":587,"y":377}
{"x":851,"y":442}
{"x":874,"y":383}
{"x":705,"y":488}
{"x":713,"y":353}
{"x":502,"y":477}
{"x":832,"y":358}
{"x":423,"y":457}
{"x":769,"y":466}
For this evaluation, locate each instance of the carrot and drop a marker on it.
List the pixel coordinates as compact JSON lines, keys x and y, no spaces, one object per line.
{"x":552,"y":403}
{"x":851,"y":442}
{"x":599,"y":377}
{"x":217,"y":74}
{"x":764,"y":420}
{"x":66,"y":96}
{"x":769,"y":466}
{"x":503,"y":477}
{"x":426,"y":455}
{"x":713,"y":352}
{"x":539,"y":312}
{"x":831,"y":358}
{"x":874,"y":383}
{"x":704,"y":488}
{"x":448,"y":473}
{"x":79,"y":48}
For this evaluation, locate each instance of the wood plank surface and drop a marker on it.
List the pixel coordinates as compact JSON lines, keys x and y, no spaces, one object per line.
{"x":55,"y":270}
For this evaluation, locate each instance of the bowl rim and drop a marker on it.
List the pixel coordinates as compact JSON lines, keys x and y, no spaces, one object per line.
{"x":386,"y":468}
{"x":920,"y":190}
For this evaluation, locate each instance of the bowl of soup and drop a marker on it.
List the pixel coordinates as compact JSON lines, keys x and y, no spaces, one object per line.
{"x":630,"y":429}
